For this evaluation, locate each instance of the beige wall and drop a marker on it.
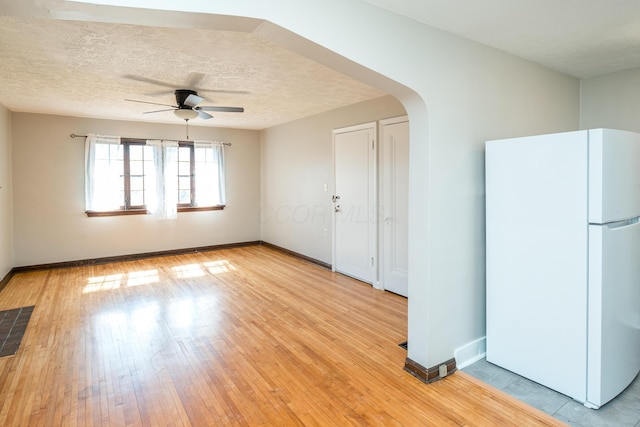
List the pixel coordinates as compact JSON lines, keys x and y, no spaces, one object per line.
{"x":611,"y":101}
{"x":6,"y":221}
{"x":457,"y":94}
{"x":48,"y":205}
{"x":296,"y":163}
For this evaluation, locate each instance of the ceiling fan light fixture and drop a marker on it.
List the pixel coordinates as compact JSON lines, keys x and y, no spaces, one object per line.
{"x":185,"y":113}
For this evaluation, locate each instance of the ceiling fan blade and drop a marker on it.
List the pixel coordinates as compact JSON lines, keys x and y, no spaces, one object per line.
{"x":237,"y":92}
{"x":159,"y":93}
{"x":191,"y":83}
{"x":221,"y":109}
{"x":148,"y":80}
{"x":194,"y":79}
{"x":153,"y":103}
{"x":204,"y":115}
{"x":193,"y":100}
{"x":158,"y":111}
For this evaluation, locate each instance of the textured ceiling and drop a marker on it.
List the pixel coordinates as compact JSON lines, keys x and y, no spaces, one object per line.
{"x":582,"y":38}
{"x":89,"y":69}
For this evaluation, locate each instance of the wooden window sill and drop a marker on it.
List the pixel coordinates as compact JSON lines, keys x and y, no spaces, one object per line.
{"x":145,"y":212}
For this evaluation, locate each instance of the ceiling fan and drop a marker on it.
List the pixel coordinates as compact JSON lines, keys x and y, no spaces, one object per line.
{"x":187,"y":108}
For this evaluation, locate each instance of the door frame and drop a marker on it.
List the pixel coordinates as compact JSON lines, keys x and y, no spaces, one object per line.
{"x":373,"y":197}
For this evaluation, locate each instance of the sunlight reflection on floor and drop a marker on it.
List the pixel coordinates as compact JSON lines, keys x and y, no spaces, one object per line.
{"x":187,"y":271}
{"x":138,"y":278}
{"x":146,"y":277}
{"x":103,"y":283}
{"x":216,"y":267}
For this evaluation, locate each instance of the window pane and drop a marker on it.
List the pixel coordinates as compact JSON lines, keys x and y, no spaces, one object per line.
{"x":184,"y":183}
{"x":135,"y":152}
{"x":184,"y":168}
{"x":184,"y":197}
{"x":142,"y":177}
{"x":137,"y":183}
{"x":184,"y":154}
{"x":136,"y":167}
{"x":137,"y":198}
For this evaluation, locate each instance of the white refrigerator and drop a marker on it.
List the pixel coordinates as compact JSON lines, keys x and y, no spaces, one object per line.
{"x":563,"y":260}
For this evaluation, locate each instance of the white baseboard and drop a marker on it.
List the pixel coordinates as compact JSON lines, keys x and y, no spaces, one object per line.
{"x":471,"y":353}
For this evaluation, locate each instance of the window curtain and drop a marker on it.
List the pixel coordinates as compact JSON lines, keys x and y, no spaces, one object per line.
{"x":209,"y":173}
{"x":103,"y":173}
{"x":162,"y":203}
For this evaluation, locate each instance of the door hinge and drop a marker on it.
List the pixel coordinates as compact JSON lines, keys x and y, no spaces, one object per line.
{"x":373,"y":144}
{"x":372,"y":262}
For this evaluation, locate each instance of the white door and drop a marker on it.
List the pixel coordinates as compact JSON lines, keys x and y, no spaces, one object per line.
{"x":354,"y":201}
{"x":394,"y":179}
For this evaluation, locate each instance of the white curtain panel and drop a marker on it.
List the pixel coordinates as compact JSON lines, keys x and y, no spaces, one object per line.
{"x":103,"y":173}
{"x":209,"y":171}
{"x":163,"y":202}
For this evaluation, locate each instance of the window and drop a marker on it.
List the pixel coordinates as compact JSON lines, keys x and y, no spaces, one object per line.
{"x":135,"y":176}
{"x":186,"y":175}
{"x":138,"y":175}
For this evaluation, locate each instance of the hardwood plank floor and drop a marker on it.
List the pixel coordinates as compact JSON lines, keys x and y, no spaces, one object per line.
{"x":246,"y":336}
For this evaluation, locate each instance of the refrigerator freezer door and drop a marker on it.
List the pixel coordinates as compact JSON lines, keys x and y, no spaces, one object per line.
{"x":614,"y":310}
{"x":614,"y":175}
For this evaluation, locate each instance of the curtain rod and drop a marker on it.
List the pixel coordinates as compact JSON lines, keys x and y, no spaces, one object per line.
{"x":74,"y":135}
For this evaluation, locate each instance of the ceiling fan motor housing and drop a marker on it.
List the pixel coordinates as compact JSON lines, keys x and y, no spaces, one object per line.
{"x":182,"y":95}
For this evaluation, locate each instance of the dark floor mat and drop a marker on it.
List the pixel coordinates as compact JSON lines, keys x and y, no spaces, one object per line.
{"x":13,"y":323}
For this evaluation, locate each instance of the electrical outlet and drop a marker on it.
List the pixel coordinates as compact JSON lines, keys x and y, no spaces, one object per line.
{"x":442,"y":370}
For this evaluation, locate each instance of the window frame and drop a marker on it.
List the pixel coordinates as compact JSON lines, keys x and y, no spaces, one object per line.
{"x":127,"y":209}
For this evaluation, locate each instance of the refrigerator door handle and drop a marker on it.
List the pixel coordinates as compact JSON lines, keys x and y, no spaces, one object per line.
{"x":620,"y":224}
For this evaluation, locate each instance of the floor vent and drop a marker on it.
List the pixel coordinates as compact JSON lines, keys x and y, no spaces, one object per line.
{"x":13,"y":324}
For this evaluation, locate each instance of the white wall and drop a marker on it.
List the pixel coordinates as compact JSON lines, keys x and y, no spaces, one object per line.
{"x":611,"y":101}
{"x":457,"y":94}
{"x":296,"y":163}
{"x":6,"y":218}
{"x":48,"y":180}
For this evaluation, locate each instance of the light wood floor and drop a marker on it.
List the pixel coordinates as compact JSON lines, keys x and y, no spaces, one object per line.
{"x":245,"y":336}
